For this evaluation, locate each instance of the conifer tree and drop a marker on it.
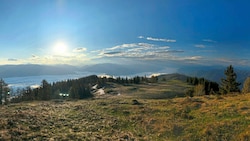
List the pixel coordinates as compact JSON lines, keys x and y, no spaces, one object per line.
{"x":229,"y":84}
{"x":45,"y":91}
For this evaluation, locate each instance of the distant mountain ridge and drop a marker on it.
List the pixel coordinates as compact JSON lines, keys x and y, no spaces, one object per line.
{"x":173,"y":76}
{"x":35,"y":70}
{"x":214,"y":73}
{"x":104,"y":68}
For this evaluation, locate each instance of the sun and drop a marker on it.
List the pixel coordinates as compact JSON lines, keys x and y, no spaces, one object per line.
{"x":60,"y":48}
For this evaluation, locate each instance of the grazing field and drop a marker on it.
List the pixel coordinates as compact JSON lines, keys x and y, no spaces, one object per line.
{"x":124,"y":118}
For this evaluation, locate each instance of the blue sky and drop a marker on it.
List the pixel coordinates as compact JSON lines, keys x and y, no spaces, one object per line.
{"x":80,"y":32}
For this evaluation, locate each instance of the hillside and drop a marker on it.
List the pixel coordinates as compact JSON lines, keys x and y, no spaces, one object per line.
{"x":156,"y":110}
{"x":167,"y":86}
{"x":121,"y":118}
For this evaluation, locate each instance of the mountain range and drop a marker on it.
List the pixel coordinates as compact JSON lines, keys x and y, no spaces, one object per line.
{"x":105,"y":68}
{"x":213,"y":73}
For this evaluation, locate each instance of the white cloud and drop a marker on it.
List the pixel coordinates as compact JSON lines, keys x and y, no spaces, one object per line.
{"x":161,"y":40}
{"x":164,"y":47}
{"x":200,"y":46}
{"x":140,"y":37}
{"x":132,"y":45}
{"x":209,"y":40}
{"x":194,"y":58}
{"x":157,"y":39}
{"x":142,"y":51}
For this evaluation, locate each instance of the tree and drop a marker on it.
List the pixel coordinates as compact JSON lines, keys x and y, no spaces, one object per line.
{"x":246,"y":86}
{"x":4,"y":92}
{"x":45,"y":90}
{"x":229,"y":84}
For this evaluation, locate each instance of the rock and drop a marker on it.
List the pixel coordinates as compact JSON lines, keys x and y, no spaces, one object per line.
{"x":135,"y":102}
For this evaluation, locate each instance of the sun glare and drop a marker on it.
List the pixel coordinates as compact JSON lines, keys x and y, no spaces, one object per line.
{"x":60,"y":48}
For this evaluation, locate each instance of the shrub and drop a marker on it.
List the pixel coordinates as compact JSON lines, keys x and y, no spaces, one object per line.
{"x":246,"y":86}
{"x":199,"y":90}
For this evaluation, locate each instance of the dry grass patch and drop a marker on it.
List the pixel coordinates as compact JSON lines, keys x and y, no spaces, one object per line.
{"x":118,"y":118}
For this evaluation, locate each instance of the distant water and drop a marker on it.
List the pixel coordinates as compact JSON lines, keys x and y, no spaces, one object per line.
{"x":33,"y":81}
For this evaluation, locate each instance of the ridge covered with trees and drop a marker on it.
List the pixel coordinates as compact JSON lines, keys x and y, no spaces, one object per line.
{"x":82,"y":88}
{"x":74,"y":88}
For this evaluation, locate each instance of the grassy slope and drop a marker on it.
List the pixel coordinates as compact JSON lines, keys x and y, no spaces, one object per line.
{"x":160,"y":90}
{"x":198,"y":118}
{"x":116,"y":118}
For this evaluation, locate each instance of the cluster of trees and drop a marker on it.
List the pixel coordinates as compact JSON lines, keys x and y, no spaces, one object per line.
{"x":228,"y":85}
{"x":202,"y":86}
{"x":74,"y":89}
{"x":133,"y":80}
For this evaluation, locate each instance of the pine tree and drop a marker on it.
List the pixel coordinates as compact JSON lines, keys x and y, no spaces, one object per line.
{"x":45,"y":90}
{"x":229,"y":84}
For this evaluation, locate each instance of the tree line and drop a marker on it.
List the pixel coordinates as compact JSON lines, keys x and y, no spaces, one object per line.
{"x":74,"y":88}
{"x":202,"y":86}
{"x":228,"y":85}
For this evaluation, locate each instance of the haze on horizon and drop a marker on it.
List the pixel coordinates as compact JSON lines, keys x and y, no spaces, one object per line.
{"x":80,"y":32}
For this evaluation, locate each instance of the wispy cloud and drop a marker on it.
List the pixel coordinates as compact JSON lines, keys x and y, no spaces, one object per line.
{"x":194,"y":58}
{"x":209,"y":40}
{"x":132,"y":45}
{"x":157,"y":39}
{"x":140,"y":37}
{"x":208,"y":51}
{"x":142,"y":51}
{"x":171,"y":51}
{"x":200,"y":46}
{"x":111,"y":53}
{"x":80,"y":49}
{"x":12,"y":59}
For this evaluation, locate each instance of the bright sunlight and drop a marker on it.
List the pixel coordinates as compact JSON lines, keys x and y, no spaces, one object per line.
{"x":60,"y":48}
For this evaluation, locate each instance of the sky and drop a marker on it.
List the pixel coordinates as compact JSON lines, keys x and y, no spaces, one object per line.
{"x":81,"y":32}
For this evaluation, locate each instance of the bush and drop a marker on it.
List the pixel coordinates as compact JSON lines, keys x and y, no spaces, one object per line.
{"x":190,"y":92}
{"x":246,"y":86}
{"x":199,"y":90}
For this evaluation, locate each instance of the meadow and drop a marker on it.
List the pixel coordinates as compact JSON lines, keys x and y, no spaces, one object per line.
{"x":125,"y":118}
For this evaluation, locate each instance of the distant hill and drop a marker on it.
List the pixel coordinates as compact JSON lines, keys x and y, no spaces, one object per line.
{"x":173,"y":76}
{"x":124,"y":69}
{"x":102,"y":68}
{"x":35,"y":70}
{"x":214,"y":73}
{"x":109,"y":68}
